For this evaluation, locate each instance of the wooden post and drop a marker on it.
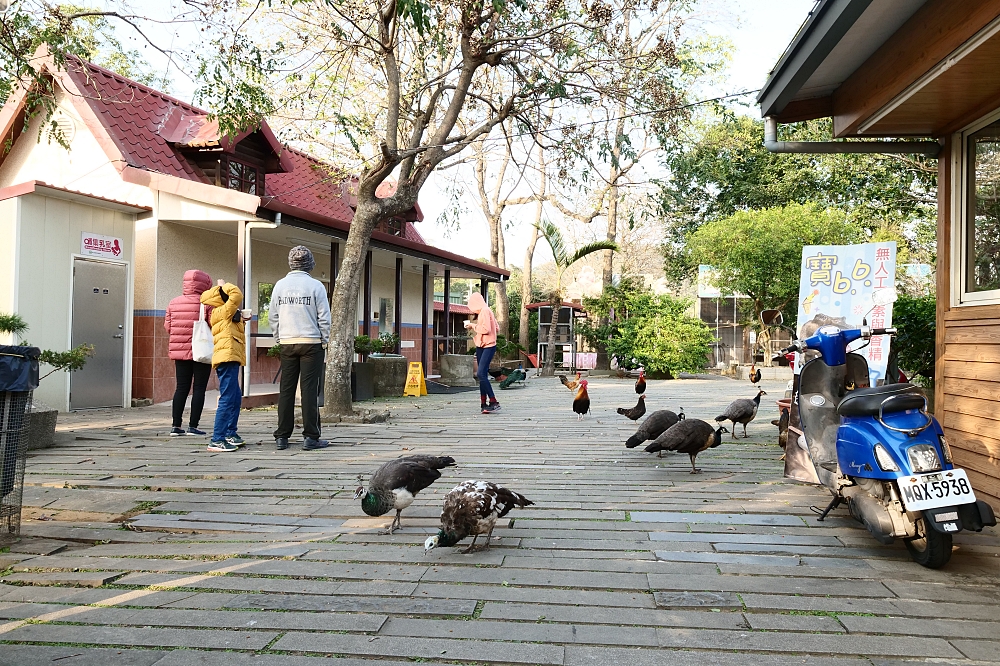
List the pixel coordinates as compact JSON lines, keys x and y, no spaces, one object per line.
{"x":484,"y":289}
{"x":334,"y":267}
{"x":367,"y":319}
{"x":423,"y":318}
{"x":397,"y":326}
{"x":447,"y":311}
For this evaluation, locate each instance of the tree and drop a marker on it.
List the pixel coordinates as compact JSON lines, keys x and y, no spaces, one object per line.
{"x":725,"y":168}
{"x":390,"y":88}
{"x":758,"y":253}
{"x":915,"y":317}
{"x":563,"y":260}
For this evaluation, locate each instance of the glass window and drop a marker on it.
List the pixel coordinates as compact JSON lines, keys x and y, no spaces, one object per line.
{"x":982,"y":232}
{"x":244,"y":178}
{"x":264,"y":290}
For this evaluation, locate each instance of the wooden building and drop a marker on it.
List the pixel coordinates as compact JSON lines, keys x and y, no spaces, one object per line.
{"x":925,"y":69}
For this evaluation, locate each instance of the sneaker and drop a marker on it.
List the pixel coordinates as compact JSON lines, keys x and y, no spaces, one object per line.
{"x":489,"y":409}
{"x":235,"y":440}
{"x":177,"y":432}
{"x":196,"y":433}
{"x":281,"y":443}
{"x":222,"y":446}
{"x":313,"y":444}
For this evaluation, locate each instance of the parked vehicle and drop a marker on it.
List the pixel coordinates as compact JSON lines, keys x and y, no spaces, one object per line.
{"x":879,"y":451}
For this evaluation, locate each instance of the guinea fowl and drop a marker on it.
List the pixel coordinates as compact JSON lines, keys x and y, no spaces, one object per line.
{"x":690,"y":437}
{"x":634,"y":413}
{"x":473,"y":507}
{"x":640,"y":384}
{"x":397,"y":482}
{"x":571,"y":385}
{"x":581,"y":403}
{"x":742,"y":411}
{"x":654,"y":426}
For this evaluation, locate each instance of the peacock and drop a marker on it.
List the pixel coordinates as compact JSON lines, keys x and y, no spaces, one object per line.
{"x":397,"y":482}
{"x":516,"y":375}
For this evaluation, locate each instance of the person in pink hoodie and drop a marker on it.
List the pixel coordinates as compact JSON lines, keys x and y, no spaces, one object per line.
{"x":182,"y":313}
{"x":484,"y":332}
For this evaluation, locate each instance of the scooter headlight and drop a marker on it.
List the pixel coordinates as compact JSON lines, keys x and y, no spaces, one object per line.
{"x":945,"y":449}
{"x":923,"y":458}
{"x":884,"y":459}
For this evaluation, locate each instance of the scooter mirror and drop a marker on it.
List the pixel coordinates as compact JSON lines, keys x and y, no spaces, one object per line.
{"x":771,"y":318}
{"x":884,"y":296}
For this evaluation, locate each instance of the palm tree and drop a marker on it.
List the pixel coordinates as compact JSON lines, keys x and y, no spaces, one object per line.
{"x":563,"y":260}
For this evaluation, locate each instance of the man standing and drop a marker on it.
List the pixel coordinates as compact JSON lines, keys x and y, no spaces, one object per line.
{"x":300,"y":322}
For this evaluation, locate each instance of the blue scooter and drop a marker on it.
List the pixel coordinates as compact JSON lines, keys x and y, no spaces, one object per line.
{"x":879,"y":451}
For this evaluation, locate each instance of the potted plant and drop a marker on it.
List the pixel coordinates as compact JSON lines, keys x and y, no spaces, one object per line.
{"x":362,"y":372}
{"x":389,"y":367}
{"x":42,"y":426}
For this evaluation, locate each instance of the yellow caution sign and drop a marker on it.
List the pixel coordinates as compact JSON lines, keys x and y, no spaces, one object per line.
{"x":415,"y":385}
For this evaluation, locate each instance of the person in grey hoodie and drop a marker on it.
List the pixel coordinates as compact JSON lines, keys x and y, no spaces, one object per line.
{"x":300,"y":322}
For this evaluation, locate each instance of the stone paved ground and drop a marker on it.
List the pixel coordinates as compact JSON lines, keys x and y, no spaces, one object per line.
{"x":262,"y":557}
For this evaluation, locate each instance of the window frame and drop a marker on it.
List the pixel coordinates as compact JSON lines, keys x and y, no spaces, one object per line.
{"x":961,"y":185}
{"x":245,"y":168}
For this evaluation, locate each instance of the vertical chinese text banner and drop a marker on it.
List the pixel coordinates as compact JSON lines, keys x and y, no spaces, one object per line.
{"x":836,"y":287}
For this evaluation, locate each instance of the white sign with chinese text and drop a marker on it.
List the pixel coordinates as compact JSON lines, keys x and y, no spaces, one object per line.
{"x":94,"y":245}
{"x":836,"y":287}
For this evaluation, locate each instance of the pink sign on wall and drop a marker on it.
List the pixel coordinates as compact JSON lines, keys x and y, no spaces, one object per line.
{"x":94,"y":245}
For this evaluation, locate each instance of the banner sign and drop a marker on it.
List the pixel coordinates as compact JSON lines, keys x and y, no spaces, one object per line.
{"x":93,"y":245}
{"x":836,"y":287}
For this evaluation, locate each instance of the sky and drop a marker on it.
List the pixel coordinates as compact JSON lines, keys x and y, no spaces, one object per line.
{"x":759,"y":31}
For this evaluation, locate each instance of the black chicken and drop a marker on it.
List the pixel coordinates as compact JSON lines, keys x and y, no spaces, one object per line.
{"x":634,"y":413}
{"x":397,"y":482}
{"x":473,"y":507}
{"x":690,"y":437}
{"x":654,"y":426}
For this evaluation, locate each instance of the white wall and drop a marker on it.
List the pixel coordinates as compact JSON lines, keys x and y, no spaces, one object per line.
{"x":8,"y":260}
{"x":50,"y":231}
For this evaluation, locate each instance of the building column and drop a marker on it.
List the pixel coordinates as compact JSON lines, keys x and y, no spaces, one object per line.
{"x":241,"y":282}
{"x":484,"y":289}
{"x":423,"y":318}
{"x":334,"y":267}
{"x":397,"y":326}
{"x":447,"y":311}
{"x":367,"y":319}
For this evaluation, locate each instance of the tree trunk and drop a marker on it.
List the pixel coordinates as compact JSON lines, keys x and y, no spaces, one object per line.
{"x":524,"y":335}
{"x":498,"y":259}
{"x":550,"y":358}
{"x":607,"y":274}
{"x":343,"y":308}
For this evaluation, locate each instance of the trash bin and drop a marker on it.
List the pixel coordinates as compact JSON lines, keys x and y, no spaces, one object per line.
{"x":18,"y":378}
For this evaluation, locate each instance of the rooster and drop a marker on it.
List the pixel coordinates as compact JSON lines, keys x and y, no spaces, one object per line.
{"x":640,"y":384}
{"x":634,"y":413}
{"x":397,"y":482}
{"x":581,"y":403}
{"x":690,"y":437}
{"x":473,"y":507}
{"x":571,"y":385}
{"x":754,"y":374}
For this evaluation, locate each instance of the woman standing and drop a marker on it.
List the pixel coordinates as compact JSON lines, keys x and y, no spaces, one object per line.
{"x":182,"y":313}
{"x":227,"y":359}
{"x":485,"y":336}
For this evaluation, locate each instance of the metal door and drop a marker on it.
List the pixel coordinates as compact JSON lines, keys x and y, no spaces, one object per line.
{"x":99,"y":300}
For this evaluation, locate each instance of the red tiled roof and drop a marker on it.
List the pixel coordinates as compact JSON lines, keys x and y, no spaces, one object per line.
{"x":454,"y":309}
{"x":310,"y":187}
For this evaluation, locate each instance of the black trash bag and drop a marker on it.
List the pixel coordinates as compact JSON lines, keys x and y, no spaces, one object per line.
{"x":18,"y":368}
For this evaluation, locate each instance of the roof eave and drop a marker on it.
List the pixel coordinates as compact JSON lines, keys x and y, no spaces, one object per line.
{"x":827,"y":24}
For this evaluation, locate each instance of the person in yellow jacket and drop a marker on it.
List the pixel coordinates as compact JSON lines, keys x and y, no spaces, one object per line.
{"x":229,"y":355}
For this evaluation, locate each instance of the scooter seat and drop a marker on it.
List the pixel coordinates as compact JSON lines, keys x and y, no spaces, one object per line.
{"x":866,"y":401}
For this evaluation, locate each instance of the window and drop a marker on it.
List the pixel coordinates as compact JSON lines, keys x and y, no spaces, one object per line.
{"x":264,"y":290}
{"x":392,"y":226}
{"x":242,"y":177}
{"x":980,"y":241}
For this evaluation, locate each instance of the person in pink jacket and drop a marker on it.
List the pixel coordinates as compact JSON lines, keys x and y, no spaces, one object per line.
{"x":484,"y":334}
{"x":182,"y":313}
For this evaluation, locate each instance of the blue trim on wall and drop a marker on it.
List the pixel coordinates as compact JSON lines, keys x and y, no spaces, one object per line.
{"x":149,"y":313}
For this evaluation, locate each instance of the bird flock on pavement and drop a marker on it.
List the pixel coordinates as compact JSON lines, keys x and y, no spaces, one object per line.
{"x":472,"y":508}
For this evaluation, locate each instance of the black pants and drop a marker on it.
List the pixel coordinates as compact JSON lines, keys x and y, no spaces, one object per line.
{"x":186,"y":371}
{"x":305,"y":361}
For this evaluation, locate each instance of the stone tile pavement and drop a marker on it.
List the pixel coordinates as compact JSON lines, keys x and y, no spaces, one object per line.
{"x":140,"y":549}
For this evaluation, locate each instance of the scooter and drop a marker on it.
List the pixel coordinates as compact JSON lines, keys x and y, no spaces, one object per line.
{"x":879,"y":451}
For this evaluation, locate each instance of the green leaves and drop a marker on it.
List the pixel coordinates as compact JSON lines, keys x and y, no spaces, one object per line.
{"x":415,"y":12}
{"x":12,"y":323}
{"x":915,"y":317}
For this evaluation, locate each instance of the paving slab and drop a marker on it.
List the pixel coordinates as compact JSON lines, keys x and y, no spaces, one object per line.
{"x":598,"y":656}
{"x":141,"y":636}
{"x":198,"y":658}
{"x":988,"y":651}
{"x":714,"y":518}
{"x":613,"y":616}
{"x":78,"y":579}
{"x":906,"y":626}
{"x":727,"y":558}
{"x":49,"y":655}
{"x":426,"y":648}
{"x":408,"y":606}
{"x":522,"y":631}
{"x":769,"y":585}
{"x":811,"y":623}
{"x":773,"y":641}
{"x":728,"y":600}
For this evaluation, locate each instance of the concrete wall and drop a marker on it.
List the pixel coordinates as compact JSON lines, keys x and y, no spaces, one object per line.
{"x":50,"y":234}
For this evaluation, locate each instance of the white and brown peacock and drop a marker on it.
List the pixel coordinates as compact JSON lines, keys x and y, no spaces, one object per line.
{"x":397,"y":482}
{"x":473,"y":508}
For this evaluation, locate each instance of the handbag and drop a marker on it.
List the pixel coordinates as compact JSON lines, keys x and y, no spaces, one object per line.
{"x":202,"y":344}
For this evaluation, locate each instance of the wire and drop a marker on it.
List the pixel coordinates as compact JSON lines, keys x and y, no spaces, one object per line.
{"x":505,"y":137}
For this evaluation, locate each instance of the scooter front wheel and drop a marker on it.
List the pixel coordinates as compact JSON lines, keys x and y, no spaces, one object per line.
{"x":929,"y":548}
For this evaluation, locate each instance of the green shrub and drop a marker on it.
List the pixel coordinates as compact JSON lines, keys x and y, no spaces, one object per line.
{"x":916,"y":319}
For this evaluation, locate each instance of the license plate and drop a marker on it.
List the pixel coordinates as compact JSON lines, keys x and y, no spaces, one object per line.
{"x":930,"y":491}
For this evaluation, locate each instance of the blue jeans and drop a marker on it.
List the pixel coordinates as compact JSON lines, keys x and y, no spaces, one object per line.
{"x":230,"y":399}
{"x":484,"y":356}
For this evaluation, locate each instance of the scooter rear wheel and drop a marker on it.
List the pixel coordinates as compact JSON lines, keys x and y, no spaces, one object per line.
{"x":930,"y":548}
